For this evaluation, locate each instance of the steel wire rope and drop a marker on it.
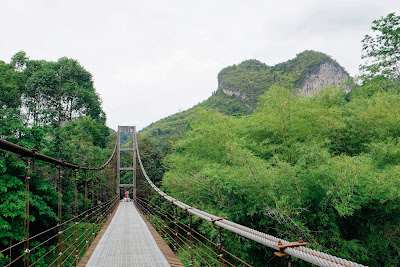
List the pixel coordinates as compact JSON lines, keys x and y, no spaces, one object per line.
{"x":307,"y":254}
{"x":207,"y":240}
{"x":64,"y":250}
{"x":47,"y":253}
{"x":67,"y":238}
{"x":73,"y":218}
{"x":188,"y":255}
{"x":179,"y":235}
{"x":23,"y":254}
{"x":55,"y":234}
{"x":193,"y":230}
{"x":8,"y":146}
{"x":87,"y":229}
{"x":185,"y":250}
{"x":207,"y":248}
{"x":198,"y":248}
{"x":5,"y":145}
{"x":171,"y":238}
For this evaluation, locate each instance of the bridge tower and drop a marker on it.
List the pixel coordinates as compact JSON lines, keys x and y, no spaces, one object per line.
{"x":126,"y":129}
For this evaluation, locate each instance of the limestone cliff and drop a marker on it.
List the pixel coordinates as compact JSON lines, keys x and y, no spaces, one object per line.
{"x":324,"y":74}
{"x":311,"y":71}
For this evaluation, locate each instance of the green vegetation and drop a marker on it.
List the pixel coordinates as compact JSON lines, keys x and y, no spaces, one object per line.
{"x":315,"y":167}
{"x":51,"y":106}
{"x":325,"y":168}
{"x":251,"y":78}
{"x":381,"y":51}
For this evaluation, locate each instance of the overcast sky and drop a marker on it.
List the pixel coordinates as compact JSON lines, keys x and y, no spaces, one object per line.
{"x":151,"y":59}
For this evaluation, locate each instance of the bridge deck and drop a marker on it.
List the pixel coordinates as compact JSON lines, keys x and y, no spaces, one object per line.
{"x":127,"y":242}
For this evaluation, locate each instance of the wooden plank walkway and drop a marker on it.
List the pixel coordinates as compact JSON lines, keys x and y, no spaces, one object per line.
{"x":130,"y":240}
{"x":165,"y":249}
{"x":85,"y":259}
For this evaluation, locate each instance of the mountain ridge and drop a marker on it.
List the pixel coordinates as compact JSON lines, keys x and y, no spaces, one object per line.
{"x":239,"y":87}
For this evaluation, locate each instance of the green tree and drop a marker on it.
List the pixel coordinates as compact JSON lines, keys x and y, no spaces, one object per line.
{"x":381,"y":51}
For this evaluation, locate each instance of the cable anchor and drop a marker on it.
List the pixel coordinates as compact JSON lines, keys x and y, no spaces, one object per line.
{"x":282,"y":246}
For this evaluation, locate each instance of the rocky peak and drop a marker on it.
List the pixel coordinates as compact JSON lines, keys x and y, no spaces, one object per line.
{"x":327,"y":73}
{"x":311,"y":71}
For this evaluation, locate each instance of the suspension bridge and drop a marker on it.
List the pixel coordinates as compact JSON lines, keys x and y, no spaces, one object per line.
{"x":145,"y":232}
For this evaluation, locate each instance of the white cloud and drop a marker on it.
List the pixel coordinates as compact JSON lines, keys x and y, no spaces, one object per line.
{"x":150,"y":58}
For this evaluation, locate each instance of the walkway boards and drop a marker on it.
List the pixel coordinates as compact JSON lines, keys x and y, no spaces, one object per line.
{"x":127,"y":242}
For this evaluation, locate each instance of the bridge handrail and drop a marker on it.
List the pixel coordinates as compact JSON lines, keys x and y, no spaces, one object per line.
{"x":32,"y":153}
{"x":316,"y":257}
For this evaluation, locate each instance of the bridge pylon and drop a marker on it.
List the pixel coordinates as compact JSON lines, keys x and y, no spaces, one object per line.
{"x":126,"y":129}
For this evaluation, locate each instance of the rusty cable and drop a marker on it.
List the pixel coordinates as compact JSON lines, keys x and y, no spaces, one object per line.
{"x":179,"y":235}
{"x":5,"y":145}
{"x":26,"y":219}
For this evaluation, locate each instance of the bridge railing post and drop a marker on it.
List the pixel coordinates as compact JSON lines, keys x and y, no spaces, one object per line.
{"x":93,"y":205}
{"x":219,"y":246}
{"x":60,"y":242}
{"x":97,"y":203}
{"x":190,"y":234}
{"x":76,"y":217}
{"x":175,"y":230}
{"x":86,"y":209}
{"x":26,"y":219}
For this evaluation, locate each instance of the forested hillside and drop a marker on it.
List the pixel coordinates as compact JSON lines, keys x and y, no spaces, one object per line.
{"x":324,"y":167}
{"x":317,"y":167}
{"x":239,"y":88}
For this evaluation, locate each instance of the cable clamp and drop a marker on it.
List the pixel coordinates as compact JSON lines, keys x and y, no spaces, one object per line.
{"x":282,"y":246}
{"x":218,"y":219}
{"x":27,"y":251}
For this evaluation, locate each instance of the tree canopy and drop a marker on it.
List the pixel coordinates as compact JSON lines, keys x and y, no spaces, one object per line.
{"x":381,"y":51}
{"x":316,"y":167}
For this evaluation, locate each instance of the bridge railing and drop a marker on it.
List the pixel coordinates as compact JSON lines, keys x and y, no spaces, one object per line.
{"x":66,"y":242}
{"x":195,"y":248}
{"x":283,"y":247}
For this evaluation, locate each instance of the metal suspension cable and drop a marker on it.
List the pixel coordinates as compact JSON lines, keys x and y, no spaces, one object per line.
{"x":316,"y":257}
{"x":24,"y":152}
{"x":33,"y":154}
{"x":142,"y":205}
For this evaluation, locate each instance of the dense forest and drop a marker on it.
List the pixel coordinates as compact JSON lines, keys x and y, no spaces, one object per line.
{"x":324,"y":167}
{"x":54,"y":108}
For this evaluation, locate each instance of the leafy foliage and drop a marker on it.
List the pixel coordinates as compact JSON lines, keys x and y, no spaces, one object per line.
{"x":251,"y":78}
{"x":53,"y":107}
{"x":381,"y":51}
{"x":320,"y":168}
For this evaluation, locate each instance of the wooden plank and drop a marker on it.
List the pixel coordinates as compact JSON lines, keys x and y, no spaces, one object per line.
{"x":85,"y":259}
{"x":165,"y":249}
